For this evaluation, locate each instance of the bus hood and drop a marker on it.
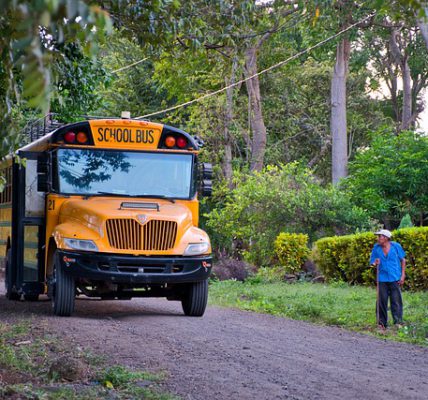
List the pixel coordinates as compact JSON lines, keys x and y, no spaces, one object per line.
{"x":123,"y":225}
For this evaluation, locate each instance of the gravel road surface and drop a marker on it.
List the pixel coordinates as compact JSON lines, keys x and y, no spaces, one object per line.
{"x":230,"y":354}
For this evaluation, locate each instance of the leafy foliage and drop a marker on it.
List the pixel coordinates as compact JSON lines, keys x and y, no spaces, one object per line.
{"x":389,"y":178}
{"x":135,"y":89}
{"x":406,"y":222}
{"x":292,"y":250}
{"x":281,"y":199}
{"x":347,"y":257}
{"x":30,"y":32}
{"x":77,"y":83}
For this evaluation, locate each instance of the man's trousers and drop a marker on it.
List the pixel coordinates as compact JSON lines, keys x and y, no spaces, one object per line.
{"x":392,"y":291}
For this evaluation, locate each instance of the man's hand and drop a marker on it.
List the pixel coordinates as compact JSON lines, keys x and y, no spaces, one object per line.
{"x":401,"y":281}
{"x":376,"y":262}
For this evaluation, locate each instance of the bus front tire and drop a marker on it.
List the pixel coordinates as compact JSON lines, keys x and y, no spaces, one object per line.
{"x":194,"y":300}
{"x":64,"y":291}
{"x":10,"y":295}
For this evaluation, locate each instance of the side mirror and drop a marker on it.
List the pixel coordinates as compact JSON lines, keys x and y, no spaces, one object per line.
{"x":43,"y":173}
{"x":206,"y":175}
{"x":207,"y":170}
{"x":207,"y":187}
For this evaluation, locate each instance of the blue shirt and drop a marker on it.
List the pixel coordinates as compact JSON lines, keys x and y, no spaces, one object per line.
{"x":390,"y":264}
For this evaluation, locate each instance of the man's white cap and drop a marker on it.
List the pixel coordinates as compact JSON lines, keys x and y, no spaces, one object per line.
{"x":384,"y":232}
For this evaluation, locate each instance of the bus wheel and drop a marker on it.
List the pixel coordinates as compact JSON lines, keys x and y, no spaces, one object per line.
{"x":194,"y":300}
{"x":64,"y":291}
{"x":8,"y":279}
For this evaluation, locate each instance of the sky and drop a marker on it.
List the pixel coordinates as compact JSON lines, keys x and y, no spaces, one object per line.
{"x":424,"y":116}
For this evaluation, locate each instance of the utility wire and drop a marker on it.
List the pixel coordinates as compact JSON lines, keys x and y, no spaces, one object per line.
{"x":130,"y":65}
{"x":247,"y":37}
{"x":281,"y":63}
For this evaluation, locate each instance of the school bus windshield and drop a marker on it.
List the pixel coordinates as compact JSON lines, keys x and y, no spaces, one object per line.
{"x":98,"y":172}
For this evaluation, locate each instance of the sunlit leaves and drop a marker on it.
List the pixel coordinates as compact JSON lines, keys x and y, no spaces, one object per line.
{"x":282,"y":199}
{"x":389,"y":178}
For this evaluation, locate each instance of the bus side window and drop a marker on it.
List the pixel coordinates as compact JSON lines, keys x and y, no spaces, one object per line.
{"x":34,"y":200}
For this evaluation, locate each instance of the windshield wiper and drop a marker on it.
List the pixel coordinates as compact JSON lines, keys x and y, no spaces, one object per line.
{"x":154,"y":196}
{"x":111,"y":194}
{"x":145,"y":196}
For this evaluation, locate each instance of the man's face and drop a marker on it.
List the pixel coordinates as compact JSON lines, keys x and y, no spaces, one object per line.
{"x":382,"y":239}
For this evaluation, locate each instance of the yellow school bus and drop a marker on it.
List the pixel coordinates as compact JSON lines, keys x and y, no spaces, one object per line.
{"x":106,"y":208}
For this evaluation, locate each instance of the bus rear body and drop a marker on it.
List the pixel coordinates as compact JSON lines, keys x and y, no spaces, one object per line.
{"x":109,"y":209}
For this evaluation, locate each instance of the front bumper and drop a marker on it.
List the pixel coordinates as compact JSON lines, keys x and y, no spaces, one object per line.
{"x":135,"y":269}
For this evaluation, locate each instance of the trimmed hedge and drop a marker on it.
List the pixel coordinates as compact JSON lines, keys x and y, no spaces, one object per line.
{"x":291,"y":250}
{"x":347,"y":257}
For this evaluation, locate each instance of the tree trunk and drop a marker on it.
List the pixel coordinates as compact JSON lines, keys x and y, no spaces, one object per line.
{"x":258,"y":128}
{"x":338,"y":112}
{"x":228,"y":119}
{"x":406,"y":118}
{"x":423,"y":25}
{"x":397,"y":46}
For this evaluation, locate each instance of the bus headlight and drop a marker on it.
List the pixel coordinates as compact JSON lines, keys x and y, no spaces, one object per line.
{"x":79,"y":244}
{"x":195,"y":249}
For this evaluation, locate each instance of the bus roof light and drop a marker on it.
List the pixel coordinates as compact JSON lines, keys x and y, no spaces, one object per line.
{"x":181,"y":142}
{"x":70,"y":137}
{"x":81,"y":137}
{"x":170,"y":141}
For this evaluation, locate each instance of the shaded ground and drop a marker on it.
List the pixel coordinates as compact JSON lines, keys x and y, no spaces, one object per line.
{"x":238,"y":355}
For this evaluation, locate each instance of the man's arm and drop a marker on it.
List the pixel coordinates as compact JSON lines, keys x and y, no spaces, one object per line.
{"x":403,"y":271}
{"x":374,"y":261}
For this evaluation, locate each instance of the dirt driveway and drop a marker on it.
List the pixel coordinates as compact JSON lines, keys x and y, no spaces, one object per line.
{"x":230,"y":354}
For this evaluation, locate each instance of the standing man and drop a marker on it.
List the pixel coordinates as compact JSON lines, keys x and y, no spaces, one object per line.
{"x":388,"y":257}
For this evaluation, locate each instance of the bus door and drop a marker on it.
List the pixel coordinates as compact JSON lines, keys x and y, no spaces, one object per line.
{"x":28,"y":228}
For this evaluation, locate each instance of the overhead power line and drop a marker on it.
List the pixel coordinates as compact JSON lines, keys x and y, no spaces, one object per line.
{"x":130,"y":65}
{"x":277,"y":65}
{"x":247,"y":37}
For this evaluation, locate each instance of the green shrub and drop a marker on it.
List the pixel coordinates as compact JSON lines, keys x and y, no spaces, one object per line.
{"x":291,"y":250}
{"x":285,"y":198}
{"x":415,"y":243}
{"x":405,"y":191}
{"x":347,"y":257}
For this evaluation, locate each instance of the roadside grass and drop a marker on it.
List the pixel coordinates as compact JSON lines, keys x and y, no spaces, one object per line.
{"x":37,"y":365}
{"x":337,"y":304}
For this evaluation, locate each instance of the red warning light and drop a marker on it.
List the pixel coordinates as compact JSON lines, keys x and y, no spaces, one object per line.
{"x":181,"y":142}
{"x":70,"y":137}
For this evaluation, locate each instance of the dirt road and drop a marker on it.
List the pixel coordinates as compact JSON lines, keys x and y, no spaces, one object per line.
{"x":229,"y":354}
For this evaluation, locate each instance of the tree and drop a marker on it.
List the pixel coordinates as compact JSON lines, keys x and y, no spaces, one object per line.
{"x":135,"y":88}
{"x":28,"y":31}
{"x":388,"y":179}
{"x":422,"y":21}
{"x":338,"y":124}
{"x":78,"y":78}
{"x":237,"y":31}
{"x":397,"y":52}
{"x":285,"y":198}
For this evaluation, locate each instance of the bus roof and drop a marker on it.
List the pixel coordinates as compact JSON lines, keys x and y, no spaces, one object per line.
{"x":116,"y":134}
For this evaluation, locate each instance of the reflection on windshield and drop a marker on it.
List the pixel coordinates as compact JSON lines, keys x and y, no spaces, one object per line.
{"x":124,"y":173}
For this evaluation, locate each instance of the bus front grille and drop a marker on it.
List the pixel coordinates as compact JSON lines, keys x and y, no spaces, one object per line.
{"x":128,"y":234}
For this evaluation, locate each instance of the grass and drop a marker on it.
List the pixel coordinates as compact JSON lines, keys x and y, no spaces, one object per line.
{"x":28,"y":352}
{"x":351,"y":307}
